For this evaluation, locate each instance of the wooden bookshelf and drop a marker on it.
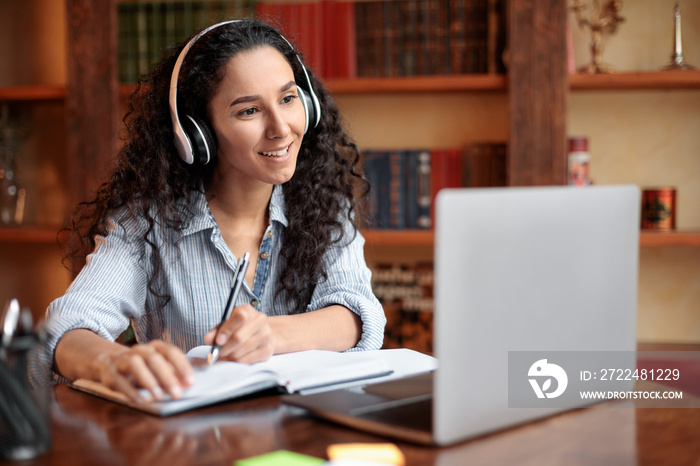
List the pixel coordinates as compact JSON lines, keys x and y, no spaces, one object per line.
{"x":373,"y":237}
{"x":466,"y":82}
{"x":44,"y":235}
{"x":427,"y":237}
{"x":30,"y":93}
{"x":643,"y":80}
{"x":669,"y":239}
{"x":399,"y":237}
{"x":646,"y":80}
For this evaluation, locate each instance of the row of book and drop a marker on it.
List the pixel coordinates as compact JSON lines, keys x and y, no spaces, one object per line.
{"x":337,"y":38}
{"x":406,"y":293}
{"x":146,"y":29}
{"x":323,"y":31}
{"x":404,"y":183}
{"x":430,"y":37}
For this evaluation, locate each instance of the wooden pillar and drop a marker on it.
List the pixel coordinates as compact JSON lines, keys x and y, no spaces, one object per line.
{"x":538,"y":91}
{"x":92,"y":102}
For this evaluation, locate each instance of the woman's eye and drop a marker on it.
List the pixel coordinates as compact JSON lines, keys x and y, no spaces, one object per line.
{"x":289,"y":98}
{"x":248,"y":111}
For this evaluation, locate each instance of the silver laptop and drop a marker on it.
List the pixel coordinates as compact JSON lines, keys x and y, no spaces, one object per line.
{"x":519,"y":273}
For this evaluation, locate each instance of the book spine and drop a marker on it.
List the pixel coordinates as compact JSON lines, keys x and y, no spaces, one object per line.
{"x":485,"y":164}
{"x":480,"y":27}
{"x":442,"y":57}
{"x":315,"y":38}
{"x":344,"y":43}
{"x":430,"y":37}
{"x":410,"y":160}
{"x":126,"y":43}
{"x":361,"y":37}
{"x":155,"y":25}
{"x":371,"y":161}
{"x":390,"y":38}
{"x":438,"y":169}
{"x":397,"y":183}
{"x":142,"y":38}
{"x":502,"y":36}
{"x":458,"y":29}
{"x":492,"y":36}
{"x":423,"y":184}
{"x":408,"y":41}
{"x":169,"y":23}
{"x":377,"y":38}
{"x":499,"y":165}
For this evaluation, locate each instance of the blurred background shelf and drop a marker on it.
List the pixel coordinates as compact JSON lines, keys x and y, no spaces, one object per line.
{"x":43,"y":235}
{"x":669,"y":238}
{"x":30,"y":93}
{"x":427,"y":237}
{"x":643,"y":80}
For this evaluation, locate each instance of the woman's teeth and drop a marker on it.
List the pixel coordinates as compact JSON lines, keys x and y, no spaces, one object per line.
{"x":278,"y":153}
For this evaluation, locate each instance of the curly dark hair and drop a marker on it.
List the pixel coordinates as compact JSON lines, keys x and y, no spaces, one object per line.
{"x":150,"y":180}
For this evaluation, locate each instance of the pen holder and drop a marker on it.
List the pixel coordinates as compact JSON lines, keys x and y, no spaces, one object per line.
{"x":25,"y":423}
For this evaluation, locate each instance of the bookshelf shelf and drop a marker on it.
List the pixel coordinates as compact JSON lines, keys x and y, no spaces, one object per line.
{"x":427,"y":237}
{"x":643,"y":80}
{"x":44,"y":235}
{"x":399,"y":237}
{"x":454,"y":83}
{"x":670,"y":238}
{"x":469,"y":82}
{"x":30,"y":93}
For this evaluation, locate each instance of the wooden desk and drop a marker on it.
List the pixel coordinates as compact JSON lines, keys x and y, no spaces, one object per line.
{"x":88,"y":430}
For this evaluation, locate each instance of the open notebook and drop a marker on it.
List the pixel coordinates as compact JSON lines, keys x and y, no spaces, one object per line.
{"x":304,"y":371}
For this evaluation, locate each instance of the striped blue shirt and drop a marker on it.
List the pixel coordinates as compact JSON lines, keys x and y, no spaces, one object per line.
{"x":198,"y":267}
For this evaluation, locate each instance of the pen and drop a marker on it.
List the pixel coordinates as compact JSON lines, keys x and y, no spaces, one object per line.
{"x":238,"y":278}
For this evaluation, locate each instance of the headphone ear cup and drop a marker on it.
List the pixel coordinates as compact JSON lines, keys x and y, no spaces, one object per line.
{"x":309,"y":108}
{"x":201,"y":137}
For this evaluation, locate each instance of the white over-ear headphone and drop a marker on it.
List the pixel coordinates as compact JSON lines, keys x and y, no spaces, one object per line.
{"x":194,"y":139}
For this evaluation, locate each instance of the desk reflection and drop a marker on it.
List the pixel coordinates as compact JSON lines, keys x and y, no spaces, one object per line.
{"x":88,"y":431}
{"x":200,"y":437}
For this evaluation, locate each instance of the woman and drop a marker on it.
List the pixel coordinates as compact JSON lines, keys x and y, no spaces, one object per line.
{"x":275,"y":177}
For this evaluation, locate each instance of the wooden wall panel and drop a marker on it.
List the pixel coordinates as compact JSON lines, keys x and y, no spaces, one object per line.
{"x":538,"y":89}
{"x":92,"y":105}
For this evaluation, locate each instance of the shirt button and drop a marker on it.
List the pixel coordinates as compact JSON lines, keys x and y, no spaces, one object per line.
{"x":264,"y":255}
{"x":269,"y":234}
{"x":254,"y":303}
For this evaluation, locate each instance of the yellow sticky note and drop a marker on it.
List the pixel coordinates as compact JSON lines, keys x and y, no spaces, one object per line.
{"x":386,"y":453}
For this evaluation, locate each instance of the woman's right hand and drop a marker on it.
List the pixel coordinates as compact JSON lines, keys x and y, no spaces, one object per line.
{"x":156,"y":366}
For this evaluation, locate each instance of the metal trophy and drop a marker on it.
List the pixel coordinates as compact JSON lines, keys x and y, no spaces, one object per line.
{"x":677,"y":62}
{"x":603,"y":20}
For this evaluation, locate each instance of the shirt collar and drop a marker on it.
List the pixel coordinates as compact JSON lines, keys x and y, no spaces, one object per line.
{"x":203,"y":219}
{"x":278,"y":206}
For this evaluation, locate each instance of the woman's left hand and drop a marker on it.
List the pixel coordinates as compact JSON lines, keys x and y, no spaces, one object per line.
{"x":245,"y":337}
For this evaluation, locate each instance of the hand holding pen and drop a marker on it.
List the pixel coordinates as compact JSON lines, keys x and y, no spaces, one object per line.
{"x":238,"y":278}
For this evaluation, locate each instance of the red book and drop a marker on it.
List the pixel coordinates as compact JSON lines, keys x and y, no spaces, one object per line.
{"x":301,"y":24}
{"x":445,"y":172}
{"x":339,"y":39}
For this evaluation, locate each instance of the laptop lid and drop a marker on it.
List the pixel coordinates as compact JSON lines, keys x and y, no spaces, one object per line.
{"x":526,"y":269}
{"x":517,"y":270}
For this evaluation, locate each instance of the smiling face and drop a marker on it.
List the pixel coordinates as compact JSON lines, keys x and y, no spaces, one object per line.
{"x":258,"y":118}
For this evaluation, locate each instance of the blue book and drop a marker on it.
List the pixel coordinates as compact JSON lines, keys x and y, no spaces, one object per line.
{"x":397,"y":189}
{"x":417,"y":192}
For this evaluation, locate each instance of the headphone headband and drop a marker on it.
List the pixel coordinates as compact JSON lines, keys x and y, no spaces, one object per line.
{"x":193,"y":139}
